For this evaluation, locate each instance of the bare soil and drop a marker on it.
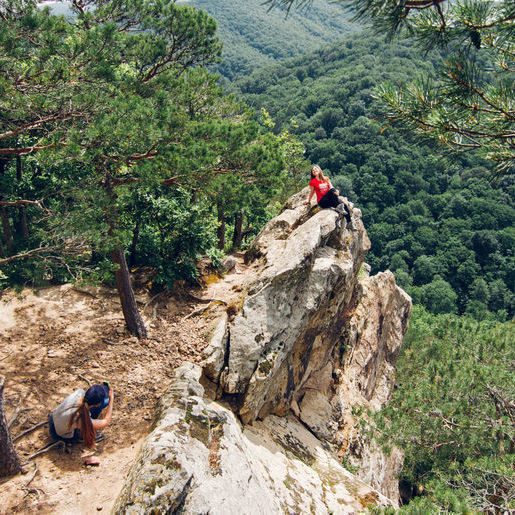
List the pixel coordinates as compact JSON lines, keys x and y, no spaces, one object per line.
{"x":51,"y":337}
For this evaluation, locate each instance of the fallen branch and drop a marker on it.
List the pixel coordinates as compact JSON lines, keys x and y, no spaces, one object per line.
{"x":196,"y":312}
{"x":203,"y":309}
{"x":44,"y":449}
{"x":29,"y":430}
{"x":16,"y":414}
{"x":84,"y":379}
{"x":33,"y":475}
{"x":33,"y":491}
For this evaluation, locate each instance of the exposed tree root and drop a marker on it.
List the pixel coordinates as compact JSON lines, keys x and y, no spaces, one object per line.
{"x":29,"y":430}
{"x":84,"y":379}
{"x":44,"y":449}
{"x":203,"y":309}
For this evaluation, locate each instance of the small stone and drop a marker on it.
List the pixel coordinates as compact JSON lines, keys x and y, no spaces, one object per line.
{"x":99,"y":508}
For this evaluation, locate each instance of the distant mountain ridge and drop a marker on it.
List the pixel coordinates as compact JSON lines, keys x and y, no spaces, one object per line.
{"x":255,"y":37}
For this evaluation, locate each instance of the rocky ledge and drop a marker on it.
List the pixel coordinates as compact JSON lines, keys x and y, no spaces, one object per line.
{"x":314,"y":338}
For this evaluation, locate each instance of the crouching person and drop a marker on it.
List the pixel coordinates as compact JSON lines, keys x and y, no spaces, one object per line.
{"x":76,"y":419}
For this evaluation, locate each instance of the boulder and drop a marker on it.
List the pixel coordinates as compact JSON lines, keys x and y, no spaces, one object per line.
{"x":200,"y":459}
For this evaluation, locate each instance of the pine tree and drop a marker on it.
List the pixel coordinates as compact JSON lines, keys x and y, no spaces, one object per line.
{"x":452,"y":412}
{"x":100,"y":89}
{"x":130,"y":110}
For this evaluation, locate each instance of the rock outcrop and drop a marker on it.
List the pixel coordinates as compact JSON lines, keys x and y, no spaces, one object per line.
{"x":200,"y":459}
{"x":314,"y":339}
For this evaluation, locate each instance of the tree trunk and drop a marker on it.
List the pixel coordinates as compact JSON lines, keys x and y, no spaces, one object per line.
{"x":129,"y":307}
{"x":130,"y":310}
{"x":23,"y":226}
{"x":95,"y":256}
{"x":221,"y":228}
{"x":6,"y":226}
{"x":134,"y":243}
{"x":9,"y":462}
{"x":238,"y":234}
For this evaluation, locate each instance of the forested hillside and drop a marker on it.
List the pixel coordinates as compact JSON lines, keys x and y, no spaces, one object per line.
{"x":438,"y":223}
{"x":254,"y":36}
{"x":452,"y":413}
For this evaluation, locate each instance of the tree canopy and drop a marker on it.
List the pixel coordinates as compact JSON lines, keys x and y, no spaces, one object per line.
{"x":452,"y":412}
{"x":434,"y":219}
{"x":109,"y":118}
{"x":469,"y":105}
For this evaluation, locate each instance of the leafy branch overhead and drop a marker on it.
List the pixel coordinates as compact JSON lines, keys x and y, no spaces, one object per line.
{"x":471,"y":103}
{"x":106,"y":104}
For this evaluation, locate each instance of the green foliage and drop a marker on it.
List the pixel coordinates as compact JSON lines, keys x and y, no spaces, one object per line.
{"x":452,"y":413}
{"x":470,"y":106}
{"x":255,"y":37}
{"x":123,"y":139}
{"x":437,"y":223}
{"x":174,"y":233}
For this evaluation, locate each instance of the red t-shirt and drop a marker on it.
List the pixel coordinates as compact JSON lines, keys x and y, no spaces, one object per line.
{"x":321,"y":187}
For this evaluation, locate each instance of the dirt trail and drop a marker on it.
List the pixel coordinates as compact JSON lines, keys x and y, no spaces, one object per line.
{"x":51,"y":337}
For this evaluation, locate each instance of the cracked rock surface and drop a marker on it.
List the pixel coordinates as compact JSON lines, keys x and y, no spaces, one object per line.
{"x":200,"y":459}
{"x":314,"y":337}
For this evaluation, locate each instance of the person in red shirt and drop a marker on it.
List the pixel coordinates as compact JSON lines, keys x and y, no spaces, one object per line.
{"x":327,"y":196}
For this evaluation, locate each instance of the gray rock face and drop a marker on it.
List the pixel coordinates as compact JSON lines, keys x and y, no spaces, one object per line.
{"x":360,"y":373}
{"x":214,"y":354}
{"x":315,"y":338}
{"x":199,"y":459}
{"x":309,"y":272}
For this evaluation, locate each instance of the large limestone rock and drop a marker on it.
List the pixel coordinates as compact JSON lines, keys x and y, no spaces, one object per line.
{"x":360,"y":374}
{"x":310,"y":266}
{"x":317,"y":335}
{"x":315,"y":339}
{"x":199,"y":459}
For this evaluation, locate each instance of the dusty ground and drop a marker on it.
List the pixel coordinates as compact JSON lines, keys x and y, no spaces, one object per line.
{"x":50,"y":337}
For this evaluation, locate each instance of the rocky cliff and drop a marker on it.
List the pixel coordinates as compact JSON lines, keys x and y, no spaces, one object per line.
{"x":313,"y":339}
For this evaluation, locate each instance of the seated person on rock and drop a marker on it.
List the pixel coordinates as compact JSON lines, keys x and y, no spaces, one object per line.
{"x":76,"y":419}
{"x":327,"y":196}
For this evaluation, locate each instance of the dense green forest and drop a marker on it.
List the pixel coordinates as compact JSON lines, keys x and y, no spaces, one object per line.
{"x":452,"y":413}
{"x":436,"y":221}
{"x":255,"y":37}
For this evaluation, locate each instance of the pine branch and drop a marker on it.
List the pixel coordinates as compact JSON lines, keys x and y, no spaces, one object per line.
{"x":24,"y":255}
